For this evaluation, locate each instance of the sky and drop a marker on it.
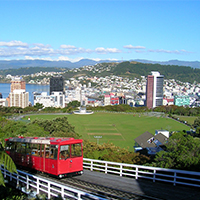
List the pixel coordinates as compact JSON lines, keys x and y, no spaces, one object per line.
{"x":158,"y":30}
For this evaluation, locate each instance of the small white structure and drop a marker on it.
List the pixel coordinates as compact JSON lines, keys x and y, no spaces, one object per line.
{"x":3,"y":103}
{"x":164,"y":132}
{"x":83,"y":111}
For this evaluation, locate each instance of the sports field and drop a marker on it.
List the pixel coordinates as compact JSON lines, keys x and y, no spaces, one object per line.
{"x":118,"y":128}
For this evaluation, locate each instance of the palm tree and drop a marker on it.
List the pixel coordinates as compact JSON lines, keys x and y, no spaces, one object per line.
{"x":7,"y":162}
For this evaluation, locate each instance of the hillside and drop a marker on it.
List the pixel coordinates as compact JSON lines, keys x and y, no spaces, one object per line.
{"x":136,"y":69}
{"x":181,"y":73}
{"x":124,"y":69}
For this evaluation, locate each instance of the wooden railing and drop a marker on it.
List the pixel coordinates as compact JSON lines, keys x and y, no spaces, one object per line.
{"x":175,"y":177}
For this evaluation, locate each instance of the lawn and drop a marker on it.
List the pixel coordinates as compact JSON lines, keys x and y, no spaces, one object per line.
{"x":118,"y":128}
{"x":189,"y":119}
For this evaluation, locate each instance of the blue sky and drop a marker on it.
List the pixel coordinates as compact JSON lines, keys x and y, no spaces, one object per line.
{"x":100,"y":29}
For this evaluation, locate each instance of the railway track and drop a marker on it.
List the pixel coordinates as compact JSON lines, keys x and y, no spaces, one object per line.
{"x":97,"y":189}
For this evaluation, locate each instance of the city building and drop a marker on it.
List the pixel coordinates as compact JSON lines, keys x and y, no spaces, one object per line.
{"x":17,"y":84}
{"x":181,"y":100}
{"x":57,"y":84}
{"x":154,"y":90}
{"x":56,"y":99}
{"x":18,"y":96}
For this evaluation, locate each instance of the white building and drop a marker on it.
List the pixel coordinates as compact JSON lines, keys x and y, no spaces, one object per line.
{"x":106,"y":100}
{"x":3,"y":102}
{"x":57,"y":99}
{"x":19,"y":98}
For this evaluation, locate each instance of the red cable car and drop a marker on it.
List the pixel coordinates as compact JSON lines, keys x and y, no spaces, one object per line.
{"x":55,"y":156}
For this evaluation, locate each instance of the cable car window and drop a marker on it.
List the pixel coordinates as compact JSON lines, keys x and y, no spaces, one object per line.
{"x":47,"y":148}
{"x":64,"y":152}
{"x":76,"y":150}
{"x":53,"y":151}
{"x":28,"y":148}
{"x":35,"y":148}
{"x":10,"y":146}
{"x":23,"y":148}
{"x":19,"y":146}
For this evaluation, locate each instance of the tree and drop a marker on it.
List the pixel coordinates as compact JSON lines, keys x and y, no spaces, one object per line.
{"x":58,"y":127}
{"x":7,"y":163}
{"x":38,"y":106}
{"x":196,"y":122}
{"x":73,"y":104}
{"x":182,"y":152}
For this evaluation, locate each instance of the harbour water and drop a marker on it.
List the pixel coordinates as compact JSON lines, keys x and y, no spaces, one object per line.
{"x":5,"y":90}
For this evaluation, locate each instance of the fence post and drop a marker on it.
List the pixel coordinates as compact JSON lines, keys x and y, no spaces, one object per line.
{"x":38,"y":186}
{"x":154,"y":175}
{"x":174,"y":178}
{"x":11,"y":175}
{"x":18,"y":179}
{"x":62,"y":192}
{"x":27,"y":182}
{"x":4,"y":172}
{"x":91,"y":167}
{"x":106,"y":168}
{"x":136,"y":173}
{"x":49,"y":190}
{"x":121,"y":169}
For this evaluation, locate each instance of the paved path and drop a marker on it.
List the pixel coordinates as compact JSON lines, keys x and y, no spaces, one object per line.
{"x":158,"y":190}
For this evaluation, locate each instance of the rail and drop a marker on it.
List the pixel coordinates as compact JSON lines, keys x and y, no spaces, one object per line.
{"x":34,"y":185}
{"x":182,"y":177}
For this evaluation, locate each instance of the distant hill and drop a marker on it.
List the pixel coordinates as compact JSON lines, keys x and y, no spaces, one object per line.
{"x":136,"y":69}
{"x":15,"y":64}
{"x":193,"y":64}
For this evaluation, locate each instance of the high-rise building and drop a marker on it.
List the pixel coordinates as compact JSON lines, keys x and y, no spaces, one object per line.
{"x":154,"y":90}
{"x":57,"y":84}
{"x":17,"y":84}
{"x":18,"y":96}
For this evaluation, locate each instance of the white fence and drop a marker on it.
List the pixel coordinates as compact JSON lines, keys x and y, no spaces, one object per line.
{"x":34,"y":185}
{"x":189,"y":178}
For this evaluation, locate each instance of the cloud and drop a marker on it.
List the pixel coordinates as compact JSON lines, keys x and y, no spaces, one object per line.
{"x":168,"y":51}
{"x":38,"y":58}
{"x":18,"y":49}
{"x":13,"y":43}
{"x":64,"y":46}
{"x":102,"y":50}
{"x":42,"y":45}
{"x":133,"y":47}
{"x":65,"y":58}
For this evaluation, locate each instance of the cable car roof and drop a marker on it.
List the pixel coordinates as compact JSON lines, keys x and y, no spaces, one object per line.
{"x":39,"y":140}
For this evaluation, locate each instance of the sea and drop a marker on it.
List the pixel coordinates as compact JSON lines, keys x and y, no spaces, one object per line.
{"x":5,"y":90}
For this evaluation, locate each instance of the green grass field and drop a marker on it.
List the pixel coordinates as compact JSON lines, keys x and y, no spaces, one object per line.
{"x":189,"y":119}
{"x":118,"y":128}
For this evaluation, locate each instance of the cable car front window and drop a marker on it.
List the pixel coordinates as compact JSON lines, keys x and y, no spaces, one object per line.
{"x":76,"y":150}
{"x":64,"y":152}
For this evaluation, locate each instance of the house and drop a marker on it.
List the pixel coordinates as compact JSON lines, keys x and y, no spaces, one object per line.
{"x":152,"y":143}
